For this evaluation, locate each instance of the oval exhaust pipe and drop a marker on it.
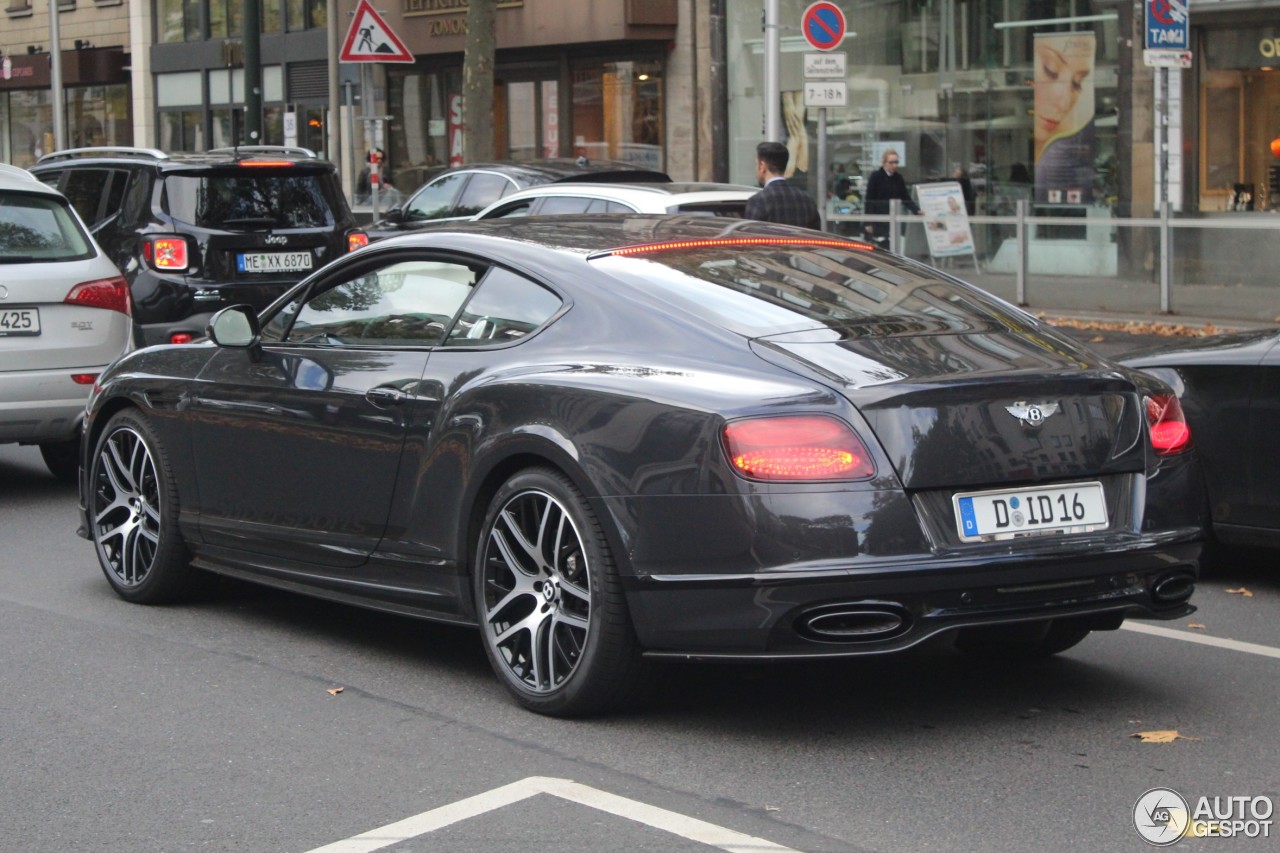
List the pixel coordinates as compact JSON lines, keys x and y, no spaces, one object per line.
{"x":854,"y":624}
{"x":1174,"y":588}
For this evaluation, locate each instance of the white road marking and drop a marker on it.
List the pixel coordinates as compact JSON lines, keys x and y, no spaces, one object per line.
{"x":1218,"y":642}
{"x":566,"y":789}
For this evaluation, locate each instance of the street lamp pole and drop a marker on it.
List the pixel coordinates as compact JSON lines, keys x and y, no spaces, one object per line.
{"x":772,"y":62}
{"x":55,"y":78}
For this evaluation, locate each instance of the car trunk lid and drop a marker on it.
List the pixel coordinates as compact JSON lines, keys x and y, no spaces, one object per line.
{"x":981,"y":406}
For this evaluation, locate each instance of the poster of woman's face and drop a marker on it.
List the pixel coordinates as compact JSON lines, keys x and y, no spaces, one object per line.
{"x":1064,"y":117}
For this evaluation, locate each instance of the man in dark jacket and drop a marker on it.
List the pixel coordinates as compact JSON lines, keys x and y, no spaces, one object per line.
{"x":779,"y":201}
{"x":885,"y":184}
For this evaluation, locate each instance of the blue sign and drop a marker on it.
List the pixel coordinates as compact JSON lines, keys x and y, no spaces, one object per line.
{"x":823,"y":25}
{"x":1168,"y":25}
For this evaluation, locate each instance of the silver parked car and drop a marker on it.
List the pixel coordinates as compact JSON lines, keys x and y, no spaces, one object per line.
{"x":64,"y":316}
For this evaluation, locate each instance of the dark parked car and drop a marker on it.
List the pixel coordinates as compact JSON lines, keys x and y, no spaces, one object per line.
{"x":193,"y":233}
{"x":464,"y":191}
{"x":607,"y":439}
{"x":1230,"y":390}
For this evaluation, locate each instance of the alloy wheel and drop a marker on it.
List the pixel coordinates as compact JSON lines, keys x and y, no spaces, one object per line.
{"x":536,"y":591}
{"x":126,"y":507}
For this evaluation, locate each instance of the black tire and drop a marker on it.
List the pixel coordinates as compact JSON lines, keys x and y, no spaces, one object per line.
{"x":553,"y":619}
{"x":62,"y":458}
{"x":133,"y":513}
{"x":1023,"y":641}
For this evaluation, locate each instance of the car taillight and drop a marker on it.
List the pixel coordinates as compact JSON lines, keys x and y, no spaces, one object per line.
{"x":109,"y":293}
{"x":84,"y":378}
{"x":180,"y":338}
{"x":167,"y":253}
{"x":1169,"y":431}
{"x":796,"y":447}
{"x":357,"y":240}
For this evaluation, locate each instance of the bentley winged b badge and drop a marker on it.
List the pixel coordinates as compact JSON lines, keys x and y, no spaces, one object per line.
{"x":1032,"y":415}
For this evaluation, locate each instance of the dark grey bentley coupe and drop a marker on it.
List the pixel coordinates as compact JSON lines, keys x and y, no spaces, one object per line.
{"x":607,"y":440}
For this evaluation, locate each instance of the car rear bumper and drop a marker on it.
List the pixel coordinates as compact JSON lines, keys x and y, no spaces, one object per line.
{"x":836,"y":612}
{"x":40,"y":406}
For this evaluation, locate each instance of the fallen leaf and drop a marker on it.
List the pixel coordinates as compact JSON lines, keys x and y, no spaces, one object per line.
{"x":1097,"y":339}
{"x":1241,"y":591}
{"x":1166,"y":736}
{"x":334,"y":692}
{"x":1135,"y":327}
{"x":1195,"y":625}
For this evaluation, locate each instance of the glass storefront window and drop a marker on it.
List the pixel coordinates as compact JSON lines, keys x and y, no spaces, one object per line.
{"x":951,"y":85}
{"x":30,"y":126}
{"x":617,"y":112}
{"x":181,"y":130}
{"x":418,"y":141}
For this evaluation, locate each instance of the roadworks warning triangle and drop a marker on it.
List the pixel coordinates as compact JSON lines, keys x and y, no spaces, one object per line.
{"x":371,"y":40}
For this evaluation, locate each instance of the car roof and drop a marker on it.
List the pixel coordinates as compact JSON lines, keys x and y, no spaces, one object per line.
{"x":586,"y":234}
{"x":16,"y":179}
{"x":631,"y":189}
{"x":166,"y":160}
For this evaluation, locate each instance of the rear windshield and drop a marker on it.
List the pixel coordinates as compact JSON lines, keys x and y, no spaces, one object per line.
{"x":40,"y":228}
{"x":248,"y":199}
{"x":768,"y":290}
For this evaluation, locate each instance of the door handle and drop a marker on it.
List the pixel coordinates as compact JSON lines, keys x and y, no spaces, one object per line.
{"x":384,"y":395}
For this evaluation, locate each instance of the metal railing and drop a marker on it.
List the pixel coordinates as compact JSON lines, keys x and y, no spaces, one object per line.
{"x":1244,"y":272}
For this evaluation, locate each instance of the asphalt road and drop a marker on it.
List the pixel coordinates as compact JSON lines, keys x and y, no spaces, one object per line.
{"x":216,"y":726}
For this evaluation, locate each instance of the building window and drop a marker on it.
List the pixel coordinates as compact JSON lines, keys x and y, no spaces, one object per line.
{"x":177,"y":21}
{"x":305,"y":14}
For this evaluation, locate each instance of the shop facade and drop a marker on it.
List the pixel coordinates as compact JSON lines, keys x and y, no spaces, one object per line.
{"x":951,"y":86}
{"x":193,"y":85}
{"x":1236,"y":105}
{"x":94,"y":59}
{"x":587,"y":78}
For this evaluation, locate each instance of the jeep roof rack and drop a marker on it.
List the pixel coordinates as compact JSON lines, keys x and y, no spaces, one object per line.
{"x":295,"y":150}
{"x":104,"y":150}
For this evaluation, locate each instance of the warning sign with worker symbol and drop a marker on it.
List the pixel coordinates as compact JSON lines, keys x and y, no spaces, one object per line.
{"x":371,"y":40}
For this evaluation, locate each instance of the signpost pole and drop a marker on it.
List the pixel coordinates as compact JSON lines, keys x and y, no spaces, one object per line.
{"x":820,"y":185}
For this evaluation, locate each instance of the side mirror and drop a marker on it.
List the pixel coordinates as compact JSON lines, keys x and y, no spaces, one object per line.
{"x":394,"y":215}
{"x":235,"y":326}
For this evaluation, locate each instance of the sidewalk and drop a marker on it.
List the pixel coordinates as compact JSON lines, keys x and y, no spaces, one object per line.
{"x":1203,"y":307}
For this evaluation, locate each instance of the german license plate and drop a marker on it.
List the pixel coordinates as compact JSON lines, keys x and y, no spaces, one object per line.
{"x":1009,"y":513}
{"x":19,"y":321}
{"x":273,"y":261}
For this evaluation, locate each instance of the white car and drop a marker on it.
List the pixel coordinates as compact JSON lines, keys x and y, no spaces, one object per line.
{"x":64,"y":316}
{"x":547,"y":199}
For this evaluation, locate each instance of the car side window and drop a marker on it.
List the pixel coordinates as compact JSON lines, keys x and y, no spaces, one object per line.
{"x":87,"y":189}
{"x":618,"y":207}
{"x":505,"y":308}
{"x":512,"y":209}
{"x":435,"y":200}
{"x":482,"y":190}
{"x":405,"y":303}
{"x":564,"y":204}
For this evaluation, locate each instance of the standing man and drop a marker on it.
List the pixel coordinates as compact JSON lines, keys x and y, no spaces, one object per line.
{"x":779,"y":201}
{"x":885,"y":184}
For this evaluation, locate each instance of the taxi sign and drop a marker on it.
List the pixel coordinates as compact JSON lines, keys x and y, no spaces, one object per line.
{"x":1168,"y":25}
{"x":370,"y":39}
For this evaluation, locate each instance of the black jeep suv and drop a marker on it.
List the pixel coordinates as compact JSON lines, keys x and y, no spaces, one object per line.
{"x":193,"y":233}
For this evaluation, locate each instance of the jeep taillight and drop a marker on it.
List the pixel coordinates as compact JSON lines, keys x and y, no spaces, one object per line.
{"x":356,"y":240}
{"x":166,"y":253}
{"x":109,"y":293}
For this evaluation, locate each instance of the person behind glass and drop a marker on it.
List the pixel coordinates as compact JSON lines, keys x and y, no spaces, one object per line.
{"x":779,"y":201}
{"x":884,"y":185}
